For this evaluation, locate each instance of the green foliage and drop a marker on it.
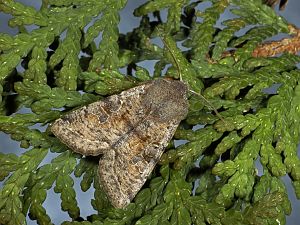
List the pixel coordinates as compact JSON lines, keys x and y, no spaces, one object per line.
{"x":211,"y":179}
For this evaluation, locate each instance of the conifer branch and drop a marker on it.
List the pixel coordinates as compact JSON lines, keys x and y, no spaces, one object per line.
{"x":253,"y":84}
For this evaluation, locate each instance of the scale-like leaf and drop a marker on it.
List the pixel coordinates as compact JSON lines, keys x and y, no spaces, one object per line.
{"x":243,"y":108}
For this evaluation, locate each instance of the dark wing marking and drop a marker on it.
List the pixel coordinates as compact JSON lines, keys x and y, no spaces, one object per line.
{"x":93,"y":129}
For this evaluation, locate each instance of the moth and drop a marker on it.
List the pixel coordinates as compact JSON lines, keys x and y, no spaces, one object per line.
{"x":129,"y":130}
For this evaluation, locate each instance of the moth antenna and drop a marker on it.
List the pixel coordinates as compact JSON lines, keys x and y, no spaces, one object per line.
{"x":180,"y":77}
{"x":211,"y":105}
{"x":172,"y":55}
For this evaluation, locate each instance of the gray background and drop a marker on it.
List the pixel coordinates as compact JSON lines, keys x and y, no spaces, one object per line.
{"x":128,"y":21}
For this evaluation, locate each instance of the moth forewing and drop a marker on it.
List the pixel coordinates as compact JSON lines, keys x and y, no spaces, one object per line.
{"x":130,"y":129}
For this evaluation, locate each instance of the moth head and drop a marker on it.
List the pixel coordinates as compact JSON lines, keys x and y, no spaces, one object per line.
{"x":168,"y":99}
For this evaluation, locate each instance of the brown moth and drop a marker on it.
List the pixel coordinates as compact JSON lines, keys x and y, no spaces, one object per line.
{"x":130,"y":130}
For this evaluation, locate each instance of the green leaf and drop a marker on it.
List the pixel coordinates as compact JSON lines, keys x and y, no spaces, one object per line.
{"x":8,"y":163}
{"x":10,"y":195}
{"x":243,"y":110}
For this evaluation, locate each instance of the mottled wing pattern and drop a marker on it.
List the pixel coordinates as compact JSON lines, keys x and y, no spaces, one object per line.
{"x":93,"y":129}
{"x":131,"y":130}
{"x":124,"y":171}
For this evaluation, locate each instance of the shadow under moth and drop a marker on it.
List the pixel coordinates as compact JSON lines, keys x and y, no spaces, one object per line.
{"x":130,"y":130}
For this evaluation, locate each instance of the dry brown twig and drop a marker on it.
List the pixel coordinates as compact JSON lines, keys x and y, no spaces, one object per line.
{"x":272,"y":48}
{"x":286,"y":45}
{"x":272,"y":3}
